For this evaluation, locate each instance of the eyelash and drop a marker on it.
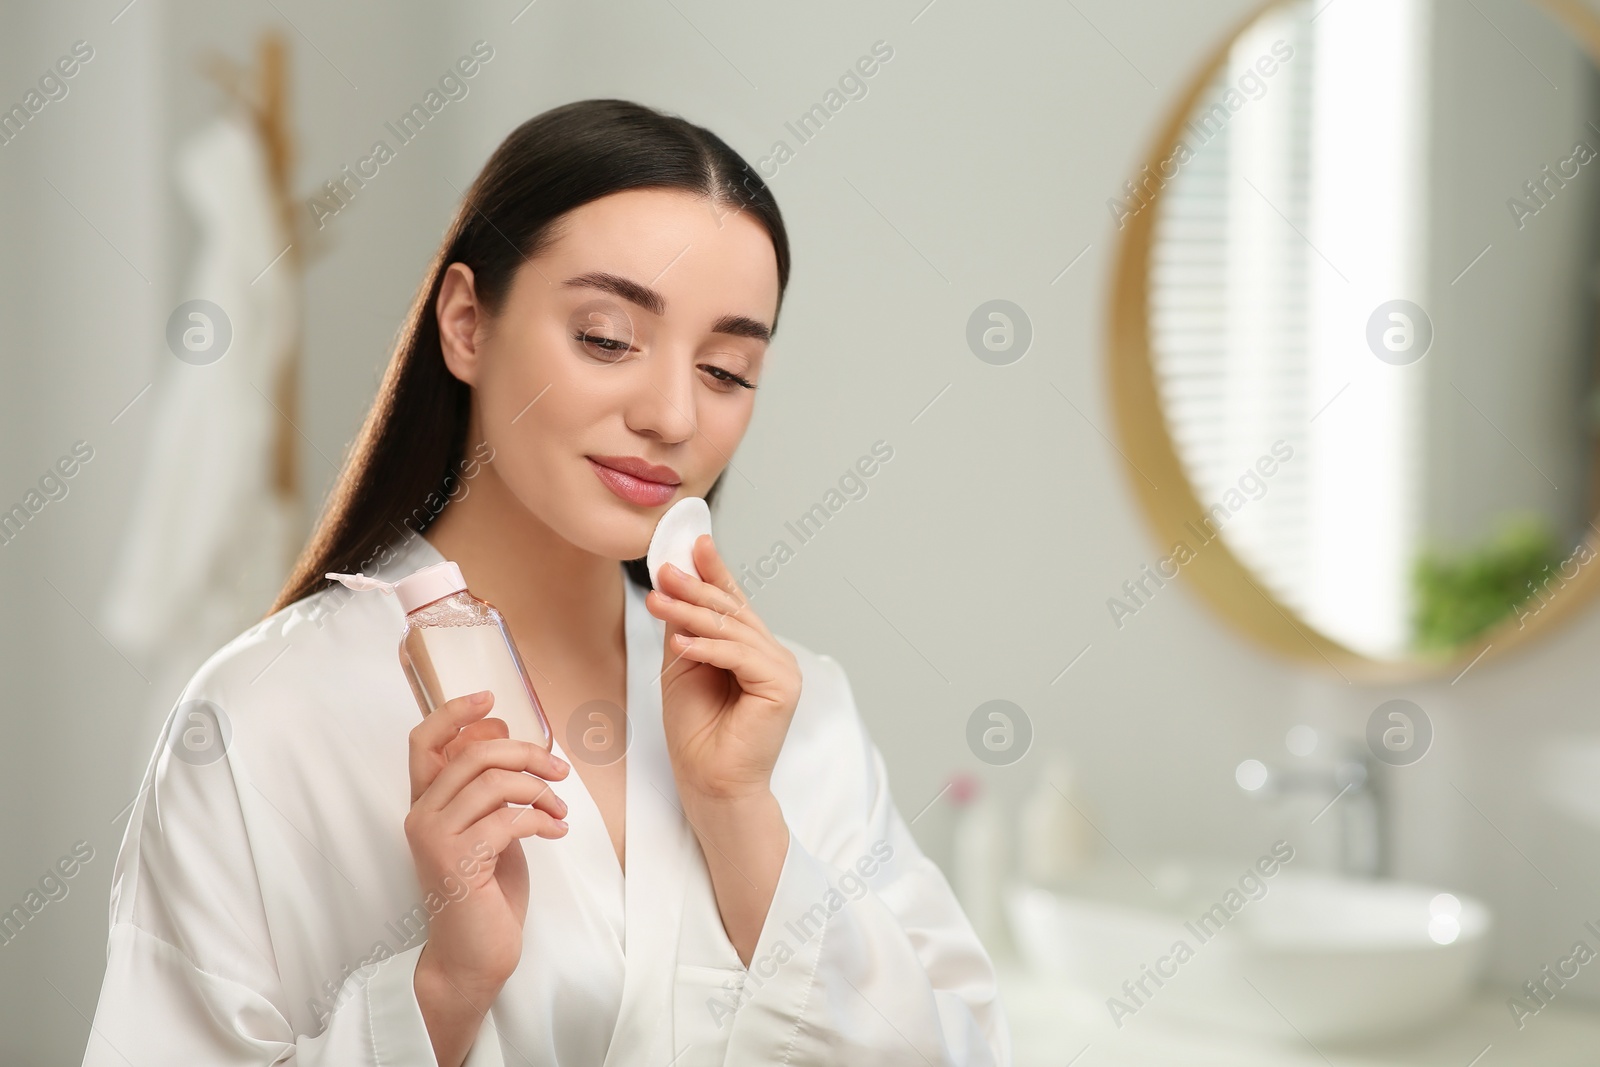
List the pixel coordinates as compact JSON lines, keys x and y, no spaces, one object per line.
{"x":606,"y":343}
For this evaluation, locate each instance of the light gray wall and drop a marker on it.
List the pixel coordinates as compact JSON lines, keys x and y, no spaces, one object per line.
{"x":85,"y":267}
{"x":977,"y":567}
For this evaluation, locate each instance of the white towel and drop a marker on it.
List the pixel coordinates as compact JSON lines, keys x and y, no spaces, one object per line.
{"x":210,"y":540}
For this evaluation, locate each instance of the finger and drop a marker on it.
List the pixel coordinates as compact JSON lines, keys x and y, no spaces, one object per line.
{"x":717,"y":573}
{"x":718,"y":590}
{"x":482,"y":730}
{"x":505,"y":753}
{"x":672,"y":653}
{"x":735,"y":656}
{"x":693,"y":618}
{"x":502,"y":827}
{"x":428,"y":738}
{"x":495,"y":788}
{"x":760,"y":673}
{"x":713,"y":588}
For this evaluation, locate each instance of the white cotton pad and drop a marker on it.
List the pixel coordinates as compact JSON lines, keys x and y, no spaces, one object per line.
{"x":676,"y":533}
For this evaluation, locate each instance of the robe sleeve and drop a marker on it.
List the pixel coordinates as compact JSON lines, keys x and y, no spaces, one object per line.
{"x":865,"y":955}
{"x":191,"y":976}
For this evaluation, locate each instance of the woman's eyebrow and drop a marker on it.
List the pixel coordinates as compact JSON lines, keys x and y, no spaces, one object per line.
{"x":656,"y":304}
{"x":742,"y":326}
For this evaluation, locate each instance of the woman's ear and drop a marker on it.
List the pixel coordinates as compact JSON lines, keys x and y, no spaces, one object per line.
{"x":460,"y":316}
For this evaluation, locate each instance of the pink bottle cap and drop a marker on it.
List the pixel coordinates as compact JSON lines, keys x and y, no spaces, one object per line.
{"x":428,"y":584}
{"x":420,"y":587}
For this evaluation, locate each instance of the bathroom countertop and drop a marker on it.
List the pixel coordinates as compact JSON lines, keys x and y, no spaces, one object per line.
{"x":1057,"y":1025}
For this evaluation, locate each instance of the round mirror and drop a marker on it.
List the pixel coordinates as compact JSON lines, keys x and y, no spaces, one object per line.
{"x":1354,"y":334}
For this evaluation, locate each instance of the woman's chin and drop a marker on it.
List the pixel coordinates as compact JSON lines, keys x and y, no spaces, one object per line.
{"x":622,"y":539}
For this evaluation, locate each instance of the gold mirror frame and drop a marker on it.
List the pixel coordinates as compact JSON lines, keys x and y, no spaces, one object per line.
{"x":1163,"y":488}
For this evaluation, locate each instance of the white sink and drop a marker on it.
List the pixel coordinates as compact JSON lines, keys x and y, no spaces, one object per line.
{"x":1306,"y":957}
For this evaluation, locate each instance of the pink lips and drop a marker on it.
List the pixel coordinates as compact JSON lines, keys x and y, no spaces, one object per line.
{"x":641,"y":484}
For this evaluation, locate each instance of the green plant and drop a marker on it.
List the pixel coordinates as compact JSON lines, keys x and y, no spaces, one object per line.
{"x":1460,"y":595}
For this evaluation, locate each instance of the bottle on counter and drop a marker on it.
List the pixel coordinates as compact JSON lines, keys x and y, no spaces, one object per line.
{"x":979,"y":857}
{"x":1058,"y":841}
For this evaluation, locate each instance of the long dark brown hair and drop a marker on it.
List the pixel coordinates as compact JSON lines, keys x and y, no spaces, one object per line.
{"x":406,"y":461}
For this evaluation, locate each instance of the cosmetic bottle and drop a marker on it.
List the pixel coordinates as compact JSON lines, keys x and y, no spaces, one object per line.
{"x":455,"y":644}
{"x":980,"y":856}
{"x":1058,"y":839}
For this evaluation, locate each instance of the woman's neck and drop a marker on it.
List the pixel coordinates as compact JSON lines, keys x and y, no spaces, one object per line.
{"x":559,"y":599}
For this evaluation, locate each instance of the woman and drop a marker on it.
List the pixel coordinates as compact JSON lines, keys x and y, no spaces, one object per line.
{"x":310,"y":876}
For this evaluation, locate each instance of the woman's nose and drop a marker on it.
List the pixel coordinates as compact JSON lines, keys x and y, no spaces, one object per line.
{"x":663,"y":403}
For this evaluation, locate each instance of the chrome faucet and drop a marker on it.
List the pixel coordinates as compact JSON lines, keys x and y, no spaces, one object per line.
{"x":1350,"y":782}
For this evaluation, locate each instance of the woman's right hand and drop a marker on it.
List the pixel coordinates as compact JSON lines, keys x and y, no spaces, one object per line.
{"x":469,"y":779}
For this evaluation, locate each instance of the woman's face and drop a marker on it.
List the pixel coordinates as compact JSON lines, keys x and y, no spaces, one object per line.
{"x":630,"y":338}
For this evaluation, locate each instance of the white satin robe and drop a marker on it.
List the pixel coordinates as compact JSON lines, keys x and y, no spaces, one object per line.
{"x":265,"y":908}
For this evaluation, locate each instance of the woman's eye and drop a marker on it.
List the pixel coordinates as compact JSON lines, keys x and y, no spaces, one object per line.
{"x":601,"y":330}
{"x":733,"y":380}
{"x":606,"y":346}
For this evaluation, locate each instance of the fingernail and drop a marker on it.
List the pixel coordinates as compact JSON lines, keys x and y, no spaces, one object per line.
{"x":480,"y":698}
{"x":562,"y":823}
{"x":561,"y":764}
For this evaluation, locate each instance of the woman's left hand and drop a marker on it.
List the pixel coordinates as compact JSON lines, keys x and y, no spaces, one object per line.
{"x":729,"y":693}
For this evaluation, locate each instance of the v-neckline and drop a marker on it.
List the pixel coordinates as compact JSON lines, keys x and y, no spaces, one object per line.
{"x":573,"y":789}
{"x":656,"y":837}
{"x":576,"y":791}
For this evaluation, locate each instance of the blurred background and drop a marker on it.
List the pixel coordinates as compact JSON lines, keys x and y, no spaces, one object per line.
{"x":1228,"y":584}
